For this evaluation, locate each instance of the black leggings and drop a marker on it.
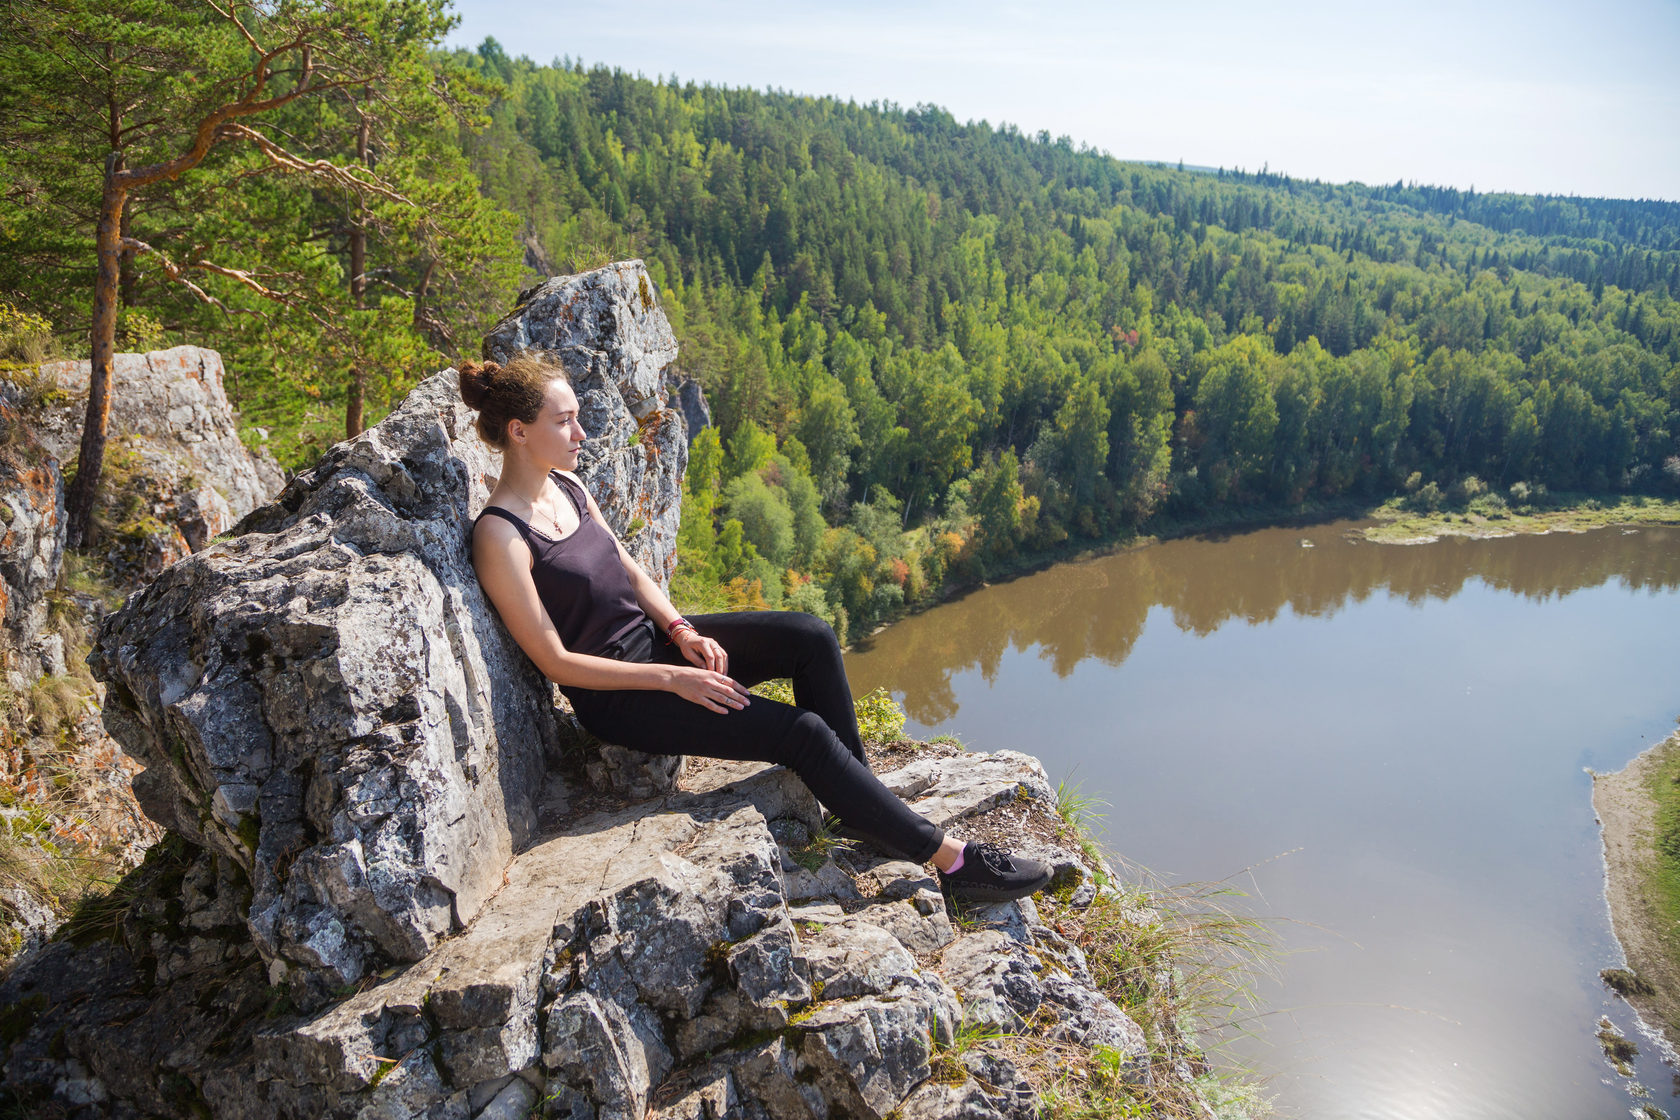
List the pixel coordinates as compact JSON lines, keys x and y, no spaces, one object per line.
{"x":816,"y":737}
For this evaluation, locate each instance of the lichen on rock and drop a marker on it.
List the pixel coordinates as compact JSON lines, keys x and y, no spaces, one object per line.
{"x":381,"y":897}
{"x":176,"y":474}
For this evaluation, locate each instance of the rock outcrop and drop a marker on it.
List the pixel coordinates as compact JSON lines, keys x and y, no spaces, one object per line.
{"x":31,"y":551}
{"x":177,"y":475}
{"x":183,"y":469}
{"x":606,"y":329}
{"x":175,"y":449}
{"x":325,"y":698}
{"x":691,"y":399}
{"x":686,"y":958}
{"x":385,"y":895}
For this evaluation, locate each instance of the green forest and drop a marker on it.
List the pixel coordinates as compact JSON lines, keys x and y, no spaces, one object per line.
{"x":934,"y":350}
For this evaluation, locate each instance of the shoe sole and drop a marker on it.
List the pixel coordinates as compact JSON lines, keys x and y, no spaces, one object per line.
{"x":996,"y":894}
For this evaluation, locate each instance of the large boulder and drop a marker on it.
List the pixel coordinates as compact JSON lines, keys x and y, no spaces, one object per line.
{"x":325,"y":698}
{"x":175,"y":446}
{"x":605,"y":327}
{"x":640,"y":961}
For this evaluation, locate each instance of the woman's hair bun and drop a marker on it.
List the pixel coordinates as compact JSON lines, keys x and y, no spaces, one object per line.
{"x":477,"y":378}
{"x":501,"y":392}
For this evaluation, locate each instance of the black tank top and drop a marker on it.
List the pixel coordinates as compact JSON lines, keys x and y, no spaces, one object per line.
{"x":579,"y":578}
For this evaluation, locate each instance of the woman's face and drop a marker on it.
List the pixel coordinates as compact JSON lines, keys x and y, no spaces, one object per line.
{"x":555,"y":437}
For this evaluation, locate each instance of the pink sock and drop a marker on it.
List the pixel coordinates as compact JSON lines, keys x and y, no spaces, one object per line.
{"x":957,"y":866}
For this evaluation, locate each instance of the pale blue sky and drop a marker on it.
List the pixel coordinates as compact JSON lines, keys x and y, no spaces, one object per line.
{"x":1539,"y":97}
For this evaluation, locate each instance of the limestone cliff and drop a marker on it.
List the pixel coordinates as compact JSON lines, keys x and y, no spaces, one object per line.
{"x":606,"y":328}
{"x":388,"y":892}
{"x":176,"y":476}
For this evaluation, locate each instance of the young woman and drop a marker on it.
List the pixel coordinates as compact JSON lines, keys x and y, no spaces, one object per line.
{"x":640,"y":675}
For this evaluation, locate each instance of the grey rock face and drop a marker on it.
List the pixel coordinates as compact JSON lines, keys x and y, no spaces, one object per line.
{"x":605,"y":327}
{"x":31,"y":552}
{"x":947,"y":789}
{"x":691,"y":399}
{"x":326,"y":700}
{"x":172,"y":403}
{"x":640,"y":962}
{"x":176,"y":434}
{"x":632,"y":774}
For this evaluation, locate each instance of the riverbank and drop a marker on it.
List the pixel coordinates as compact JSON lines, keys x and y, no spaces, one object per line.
{"x":1569,"y":514}
{"x":1391,"y":523}
{"x":1639,"y":810}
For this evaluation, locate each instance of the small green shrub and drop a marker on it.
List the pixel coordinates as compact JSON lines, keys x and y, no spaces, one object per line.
{"x":1427,"y":499}
{"x":25,"y":338}
{"x":139,"y":333}
{"x":1490,"y":506}
{"x":880,"y":719}
{"x":1466,"y":490}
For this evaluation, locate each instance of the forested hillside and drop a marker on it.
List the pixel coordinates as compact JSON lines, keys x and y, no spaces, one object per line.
{"x":998,"y":341}
{"x":935,"y":348}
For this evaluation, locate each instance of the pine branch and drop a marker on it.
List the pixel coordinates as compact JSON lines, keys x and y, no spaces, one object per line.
{"x":355,"y":178}
{"x":177,"y":273}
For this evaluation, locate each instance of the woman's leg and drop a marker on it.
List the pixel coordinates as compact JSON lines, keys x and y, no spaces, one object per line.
{"x":766,"y":645}
{"x":765,"y":731}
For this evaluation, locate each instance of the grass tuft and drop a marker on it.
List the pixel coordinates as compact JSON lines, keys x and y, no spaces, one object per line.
{"x":970,"y":1034}
{"x":1183,"y":961}
{"x":1625,"y":982}
{"x":1618,"y":1048}
{"x":818,"y":849}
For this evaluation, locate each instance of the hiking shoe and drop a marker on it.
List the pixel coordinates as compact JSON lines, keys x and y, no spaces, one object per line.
{"x":990,"y":874}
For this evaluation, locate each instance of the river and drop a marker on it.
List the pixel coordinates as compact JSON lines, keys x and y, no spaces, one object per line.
{"x":1386,"y":747}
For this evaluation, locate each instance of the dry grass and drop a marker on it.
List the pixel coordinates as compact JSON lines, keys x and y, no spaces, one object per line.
{"x":1182,"y":961}
{"x":58,"y":827}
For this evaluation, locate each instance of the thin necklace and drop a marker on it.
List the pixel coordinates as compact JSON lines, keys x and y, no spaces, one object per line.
{"x":552,"y":520}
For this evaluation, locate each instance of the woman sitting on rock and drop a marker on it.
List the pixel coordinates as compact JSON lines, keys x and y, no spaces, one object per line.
{"x":640,"y":675}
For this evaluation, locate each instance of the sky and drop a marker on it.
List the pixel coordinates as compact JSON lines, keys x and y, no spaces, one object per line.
{"x":1545,"y":97}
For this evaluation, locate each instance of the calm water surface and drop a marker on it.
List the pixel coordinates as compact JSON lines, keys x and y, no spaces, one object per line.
{"x":1394,"y":739}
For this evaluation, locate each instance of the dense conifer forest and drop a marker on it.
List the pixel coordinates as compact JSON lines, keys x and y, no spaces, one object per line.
{"x":933,"y":349}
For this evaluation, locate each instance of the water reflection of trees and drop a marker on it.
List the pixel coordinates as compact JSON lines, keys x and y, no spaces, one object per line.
{"x":1098,"y":609}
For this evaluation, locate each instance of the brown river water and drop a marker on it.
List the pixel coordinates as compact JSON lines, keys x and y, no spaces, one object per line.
{"x":1387,"y":748}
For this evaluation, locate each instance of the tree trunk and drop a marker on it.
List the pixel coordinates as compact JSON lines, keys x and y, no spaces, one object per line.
{"x":356,"y":395}
{"x":357,"y":392}
{"x":125,"y":264}
{"x":420,"y":296}
{"x":353,"y":423}
{"x":91,"y":461}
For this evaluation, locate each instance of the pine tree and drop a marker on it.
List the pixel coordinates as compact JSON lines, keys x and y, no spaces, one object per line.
{"x":114,"y":104}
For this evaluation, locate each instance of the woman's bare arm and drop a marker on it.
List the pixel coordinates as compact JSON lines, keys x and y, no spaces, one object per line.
{"x":503,"y":563}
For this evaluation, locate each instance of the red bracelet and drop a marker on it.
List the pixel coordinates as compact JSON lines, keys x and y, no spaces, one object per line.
{"x":678,"y":623}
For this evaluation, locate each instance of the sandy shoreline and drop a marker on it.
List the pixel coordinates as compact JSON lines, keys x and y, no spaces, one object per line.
{"x":1627,"y":813}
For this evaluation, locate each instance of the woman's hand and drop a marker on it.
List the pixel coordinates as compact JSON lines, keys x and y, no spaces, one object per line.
{"x":702,"y":651}
{"x":709,"y":689}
